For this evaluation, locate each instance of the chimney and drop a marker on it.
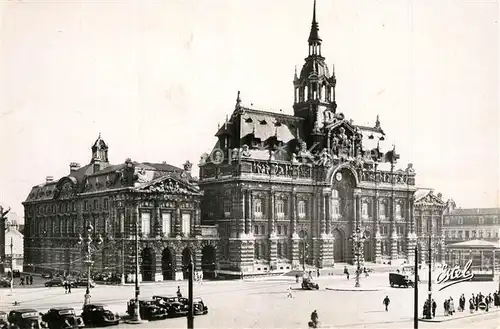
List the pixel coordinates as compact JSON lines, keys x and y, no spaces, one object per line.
{"x":74,"y":166}
{"x":49,"y":179}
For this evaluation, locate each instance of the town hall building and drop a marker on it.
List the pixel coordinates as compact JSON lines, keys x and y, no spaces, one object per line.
{"x":288,"y":190}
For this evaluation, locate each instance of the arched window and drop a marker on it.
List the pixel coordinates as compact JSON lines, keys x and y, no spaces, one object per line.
{"x":280,"y":208}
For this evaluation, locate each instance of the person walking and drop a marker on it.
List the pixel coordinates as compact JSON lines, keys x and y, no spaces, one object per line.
{"x":471,"y":305}
{"x":434,"y":306}
{"x":386,"y":302}
{"x":446,"y":307}
{"x":69,"y":287}
{"x":31,"y":280}
{"x":65,"y":284}
{"x":179,"y":294}
{"x":451,"y":305}
{"x":314,"y":320}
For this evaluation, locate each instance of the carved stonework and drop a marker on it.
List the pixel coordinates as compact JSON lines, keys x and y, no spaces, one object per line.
{"x":168,"y":186}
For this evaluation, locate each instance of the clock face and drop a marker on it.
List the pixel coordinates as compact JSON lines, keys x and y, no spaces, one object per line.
{"x":338,"y":176}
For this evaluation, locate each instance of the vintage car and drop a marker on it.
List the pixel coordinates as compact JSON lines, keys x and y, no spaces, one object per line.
{"x":47,"y":275}
{"x":309,"y":284}
{"x":26,"y":318}
{"x":55,"y":282}
{"x":5,"y":282}
{"x":4,"y":324}
{"x":82,"y":282}
{"x":148,"y":309}
{"x":99,"y":315}
{"x":174,"y":306}
{"x":400,"y":280}
{"x":62,"y":318}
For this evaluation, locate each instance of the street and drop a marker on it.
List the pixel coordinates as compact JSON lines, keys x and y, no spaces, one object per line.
{"x":263,"y":303}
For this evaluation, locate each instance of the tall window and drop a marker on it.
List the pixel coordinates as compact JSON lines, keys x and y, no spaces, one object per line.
{"x":146,"y":223}
{"x":122,"y":223}
{"x":364,"y":210}
{"x":398,"y":211}
{"x":280,"y":208}
{"x":166,"y":223}
{"x":381,"y":211}
{"x":257,"y":208}
{"x":302,"y":208}
{"x":186,"y":224}
{"x":226,"y":205}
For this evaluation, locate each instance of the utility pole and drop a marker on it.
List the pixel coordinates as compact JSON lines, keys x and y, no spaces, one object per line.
{"x":11,"y":266}
{"x":415,"y":291}
{"x":190,"y":317}
{"x":429,"y":285}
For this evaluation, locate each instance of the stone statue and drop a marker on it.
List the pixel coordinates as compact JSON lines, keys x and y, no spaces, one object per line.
{"x":187,"y":166}
{"x":325,"y":159}
{"x":409,"y":169}
{"x":303,"y":152}
{"x":245,"y":151}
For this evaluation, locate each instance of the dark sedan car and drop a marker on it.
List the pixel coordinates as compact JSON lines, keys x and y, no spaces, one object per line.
{"x":82,"y":282}
{"x":199,"y":307}
{"x":55,"y":282}
{"x":62,"y":318}
{"x":4,"y":324}
{"x":148,"y":309}
{"x":99,"y":315}
{"x":172,"y":305}
{"x":26,"y":318}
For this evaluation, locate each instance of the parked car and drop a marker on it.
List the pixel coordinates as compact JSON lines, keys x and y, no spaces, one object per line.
{"x":99,"y":315}
{"x":62,"y":318}
{"x":400,"y":280}
{"x":82,"y":282}
{"x":309,"y":284}
{"x":55,"y":282}
{"x":47,"y":275}
{"x":172,"y":305}
{"x":26,"y":318}
{"x":4,"y":324}
{"x":148,"y":309}
{"x":16,"y":273}
{"x":198,"y":305}
{"x":4,"y":282}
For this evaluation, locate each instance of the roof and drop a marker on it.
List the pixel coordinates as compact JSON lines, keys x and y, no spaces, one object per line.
{"x":62,"y":308}
{"x":129,"y":174}
{"x":475,"y":244}
{"x":475,"y":211}
{"x":25,"y":310}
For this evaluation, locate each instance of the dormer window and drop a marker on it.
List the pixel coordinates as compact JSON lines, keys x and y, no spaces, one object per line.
{"x":263,"y":122}
{"x":249,"y":120}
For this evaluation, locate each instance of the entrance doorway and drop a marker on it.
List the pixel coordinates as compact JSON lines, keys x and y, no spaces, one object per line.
{"x":208,"y":258}
{"x":338,"y":247}
{"x":148,"y":264}
{"x":167,"y":267}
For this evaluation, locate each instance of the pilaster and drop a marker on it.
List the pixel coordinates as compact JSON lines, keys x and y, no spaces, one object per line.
{"x":177,"y":219}
{"x":158,"y":276}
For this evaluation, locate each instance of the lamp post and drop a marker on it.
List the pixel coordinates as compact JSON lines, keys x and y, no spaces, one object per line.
{"x":87,"y":242}
{"x":415,"y":291}
{"x":136,"y":317}
{"x":190,"y":317}
{"x":358,"y":240}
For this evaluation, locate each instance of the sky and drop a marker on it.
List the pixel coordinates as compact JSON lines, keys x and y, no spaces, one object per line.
{"x":155,"y":78}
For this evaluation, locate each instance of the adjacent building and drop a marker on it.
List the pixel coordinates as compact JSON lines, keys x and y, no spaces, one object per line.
{"x":287,"y":189}
{"x":14,"y":244}
{"x":156,"y":201}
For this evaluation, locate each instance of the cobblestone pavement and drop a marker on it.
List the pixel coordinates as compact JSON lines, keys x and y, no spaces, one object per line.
{"x":264,"y":303}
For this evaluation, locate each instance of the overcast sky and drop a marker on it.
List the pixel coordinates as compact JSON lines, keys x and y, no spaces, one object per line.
{"x":156,"y":77}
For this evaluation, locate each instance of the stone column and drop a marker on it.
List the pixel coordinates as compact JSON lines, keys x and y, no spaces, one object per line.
{"x":272,"y":238}
{"x":241,"y":206}
{"x":158,"y":276}
{"x":322,"y":213}
{"x":272,"y":218}
{"x":179,"y":275}
{"x":194,"y":222}
{"x":251,"y":214}
{"x":293,"y":212}
{"x":294,"y":245}
{"x":177,"y":219}
{"x":247,"y":211}
{"x":157,"y":229}
{"x":328,"y":214}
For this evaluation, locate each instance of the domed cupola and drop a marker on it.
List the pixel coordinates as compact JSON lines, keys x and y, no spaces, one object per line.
{"x":314,"y":88}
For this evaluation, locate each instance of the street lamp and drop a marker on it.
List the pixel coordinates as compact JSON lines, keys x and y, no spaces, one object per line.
{"x":87,"y":242}
{"x":136,"y":317}
{"x":358,"y":240}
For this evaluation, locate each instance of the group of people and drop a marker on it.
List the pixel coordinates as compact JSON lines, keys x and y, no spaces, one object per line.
{"x":28,"y":278}
{"x":476,"y":302}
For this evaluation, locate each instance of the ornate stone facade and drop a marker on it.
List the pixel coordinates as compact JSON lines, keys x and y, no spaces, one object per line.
{"x":157,"y":201}
{"x":284,"y":189}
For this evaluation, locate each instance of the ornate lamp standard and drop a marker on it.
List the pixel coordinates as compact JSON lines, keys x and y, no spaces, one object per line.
{"x":88,"y":244}
{"x":430,"y":244}
{"x":358,"y":240}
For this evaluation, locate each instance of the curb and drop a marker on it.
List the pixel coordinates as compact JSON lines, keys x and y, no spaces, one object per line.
{"x":452,"y":318}
{"x":353,"y":289}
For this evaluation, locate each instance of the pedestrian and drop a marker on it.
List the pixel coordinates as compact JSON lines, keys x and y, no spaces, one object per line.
{"x":451,"y":306}
{"x":69,"y":287}
{"x":317,"y":272}
{"x":446,"y":307}
{"x":65,"y":284}
{"x":434,"y":306}
{"x":179,"y":294}
{"x":386,"y":302}
{"x":314,"y":320}
{"x":461,"y":303}
{"x":31,"y":280}
{"x":22,"y":281}
{"x":296,"y":278}
{"x":289,"y":295}
{"x":471,"y":305}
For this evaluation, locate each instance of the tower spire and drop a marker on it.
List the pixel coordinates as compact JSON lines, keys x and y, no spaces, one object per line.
{"x":314,"y":38}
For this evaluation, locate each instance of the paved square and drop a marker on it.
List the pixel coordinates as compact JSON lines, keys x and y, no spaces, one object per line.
{"x":263,"y":303}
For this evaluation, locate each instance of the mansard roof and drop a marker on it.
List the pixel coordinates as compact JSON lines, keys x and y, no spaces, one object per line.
{"x":475,"y":244}
{"x":129,"y":174}
{"x":475,"y":211}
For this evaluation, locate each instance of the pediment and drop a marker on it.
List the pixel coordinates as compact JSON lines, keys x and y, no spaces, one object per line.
{"x":334,"y":127}
{"x":171,"y":185}
{"x":430,"y":199}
